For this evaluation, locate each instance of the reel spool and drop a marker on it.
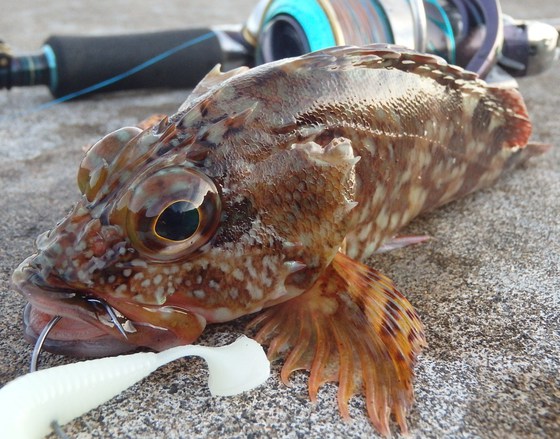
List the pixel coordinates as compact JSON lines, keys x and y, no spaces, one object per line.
{"x":285,"y":28}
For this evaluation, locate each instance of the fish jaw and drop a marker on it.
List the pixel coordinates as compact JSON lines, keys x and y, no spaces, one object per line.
{"x":86,"y":329}
{"x":74,"y":338}
{"x":83,"y":331}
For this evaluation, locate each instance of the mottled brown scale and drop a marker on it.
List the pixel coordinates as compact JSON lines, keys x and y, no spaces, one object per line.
{"x":298,"y":170}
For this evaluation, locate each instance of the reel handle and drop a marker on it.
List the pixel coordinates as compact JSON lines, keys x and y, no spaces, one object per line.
{"x":68,"y":64}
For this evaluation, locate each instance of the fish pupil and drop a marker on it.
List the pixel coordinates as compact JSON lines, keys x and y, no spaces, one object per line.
{"x":178,"y":221}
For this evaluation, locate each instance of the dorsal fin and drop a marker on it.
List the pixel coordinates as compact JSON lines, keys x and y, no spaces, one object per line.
{"x":213,"y":78}
{"x":518,"y":126}
{"x":508,"y":102}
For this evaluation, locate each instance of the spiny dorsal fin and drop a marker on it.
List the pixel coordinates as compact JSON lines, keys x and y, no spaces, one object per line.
{"x":506,"y":103}
{"x":213,"y":79}
{"x":215,"y":132}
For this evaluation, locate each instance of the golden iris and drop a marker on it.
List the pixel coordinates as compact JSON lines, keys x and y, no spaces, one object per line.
{"x":172,"y":213}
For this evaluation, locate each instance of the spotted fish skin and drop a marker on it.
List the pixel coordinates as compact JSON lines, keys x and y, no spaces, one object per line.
{"x":426,"y":132}
{"x":287,"y":165}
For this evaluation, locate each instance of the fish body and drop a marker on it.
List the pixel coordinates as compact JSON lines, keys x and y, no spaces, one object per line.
{"x":266,"y":190}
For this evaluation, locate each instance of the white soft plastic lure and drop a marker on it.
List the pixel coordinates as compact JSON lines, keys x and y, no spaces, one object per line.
{"x":31,"y":403}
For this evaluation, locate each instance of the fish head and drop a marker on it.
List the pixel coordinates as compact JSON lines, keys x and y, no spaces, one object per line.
{"x":141,"y":213}
{"x":205,"y":217}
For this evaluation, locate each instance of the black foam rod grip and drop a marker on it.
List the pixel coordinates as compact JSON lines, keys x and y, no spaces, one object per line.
{"x":84,"y":61}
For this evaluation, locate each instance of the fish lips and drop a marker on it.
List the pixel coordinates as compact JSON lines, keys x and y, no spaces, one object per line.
{"x":87,"y":341}
{"x":84,"y":331}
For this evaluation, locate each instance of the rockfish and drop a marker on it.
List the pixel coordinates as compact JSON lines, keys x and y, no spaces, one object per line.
{"x":266,"y":191}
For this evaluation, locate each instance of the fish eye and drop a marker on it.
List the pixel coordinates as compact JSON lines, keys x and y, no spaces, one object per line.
{"x":172,"y":213}
{"x":178,"y":221}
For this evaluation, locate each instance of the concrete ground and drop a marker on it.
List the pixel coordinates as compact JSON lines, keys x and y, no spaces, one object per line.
{"x":487,"y":286}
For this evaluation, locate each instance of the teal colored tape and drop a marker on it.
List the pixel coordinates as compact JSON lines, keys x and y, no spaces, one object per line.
{"x":51,"y":60}
{"x":310,"y":16}
{"x":446,"y":28}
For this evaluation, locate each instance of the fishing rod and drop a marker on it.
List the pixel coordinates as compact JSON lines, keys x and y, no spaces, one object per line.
{"x":474,"y":34}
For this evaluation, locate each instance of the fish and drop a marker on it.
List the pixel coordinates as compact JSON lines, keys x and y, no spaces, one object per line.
{"x":266,"y":193}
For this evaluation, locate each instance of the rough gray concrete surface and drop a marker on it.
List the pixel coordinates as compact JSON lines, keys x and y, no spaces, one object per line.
{"x":487,"y":286}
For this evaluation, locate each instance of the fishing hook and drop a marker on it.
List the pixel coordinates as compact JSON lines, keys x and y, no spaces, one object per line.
{"x":33,"y":368}
{"x":58,"y":430}
{"x":111,"y":313}
{"x":45,"y":332}
{"x":39,"y":343}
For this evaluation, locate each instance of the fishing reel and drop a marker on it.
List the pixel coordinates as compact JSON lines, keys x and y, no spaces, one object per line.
{"x":471,"y":33}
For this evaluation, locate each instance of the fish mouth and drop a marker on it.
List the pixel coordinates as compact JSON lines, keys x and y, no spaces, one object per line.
{"x":92,"y":326}
{"x":85,"y":329}
{"x":71,"y":337}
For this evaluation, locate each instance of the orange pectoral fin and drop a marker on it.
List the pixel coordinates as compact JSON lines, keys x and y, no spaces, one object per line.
{"x":354,"y":327}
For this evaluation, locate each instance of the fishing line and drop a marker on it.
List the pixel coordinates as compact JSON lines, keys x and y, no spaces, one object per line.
{"x":112,"y":80}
